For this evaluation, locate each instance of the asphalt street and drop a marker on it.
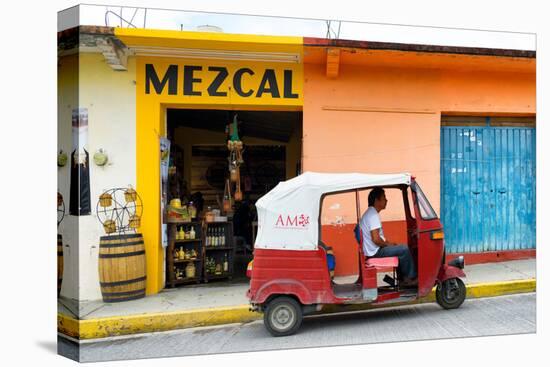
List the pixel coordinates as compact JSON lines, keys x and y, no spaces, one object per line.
{"x":515,"y":314}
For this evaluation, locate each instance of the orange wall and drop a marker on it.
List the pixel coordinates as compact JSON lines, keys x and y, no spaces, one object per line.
{"x":387,"y":119}
{"x":344,"y":246}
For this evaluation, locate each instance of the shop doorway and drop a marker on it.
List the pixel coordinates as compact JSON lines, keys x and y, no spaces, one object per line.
{"x":199,"y":165}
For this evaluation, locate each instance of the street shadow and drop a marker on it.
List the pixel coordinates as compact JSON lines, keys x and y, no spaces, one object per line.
{"x":370,"y":315}
{"x":50,"y":346}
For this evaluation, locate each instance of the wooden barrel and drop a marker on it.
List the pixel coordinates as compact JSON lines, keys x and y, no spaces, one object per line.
{"x":59,"y":262}
{"x":122,"y":267}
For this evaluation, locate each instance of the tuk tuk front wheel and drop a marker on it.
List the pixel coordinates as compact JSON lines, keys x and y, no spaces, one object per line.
{"x":450,"y":293}
{"x":283,"y":316}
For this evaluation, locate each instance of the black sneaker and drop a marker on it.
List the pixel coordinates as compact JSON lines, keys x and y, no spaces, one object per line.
{"x":389,"y":280}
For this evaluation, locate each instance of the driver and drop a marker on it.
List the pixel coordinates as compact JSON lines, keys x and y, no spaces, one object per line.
{"x":375,"y":244}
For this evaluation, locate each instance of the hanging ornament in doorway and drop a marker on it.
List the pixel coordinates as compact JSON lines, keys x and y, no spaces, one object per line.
{"x":227,"y":205}
{"x":235,"y":159}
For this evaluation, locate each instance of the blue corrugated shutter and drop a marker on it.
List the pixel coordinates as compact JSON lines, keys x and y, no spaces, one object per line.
{"x":488,"y":188}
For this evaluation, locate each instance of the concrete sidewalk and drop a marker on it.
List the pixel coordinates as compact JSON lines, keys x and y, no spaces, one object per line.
{"x":209,"y":304}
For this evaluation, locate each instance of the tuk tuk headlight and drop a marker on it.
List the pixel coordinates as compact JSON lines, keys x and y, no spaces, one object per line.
{"x":457,"y":262}
{"x":249,"y":269}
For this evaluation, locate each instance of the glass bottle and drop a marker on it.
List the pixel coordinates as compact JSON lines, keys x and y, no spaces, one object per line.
{"x":223,"y":236}
{"x":192,"y":233}
{"x":225,"y":264}
{"x":181,"y":234}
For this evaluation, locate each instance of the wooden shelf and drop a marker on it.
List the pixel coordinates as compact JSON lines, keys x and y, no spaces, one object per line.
{"x":218,"y":248}
{"x":181,"y":221}
{"x":185,"y":260}
{"x":186,"y":280}
{"x":219,"y":276}
{"x":215,"y":252}
{"x":184,"y":241}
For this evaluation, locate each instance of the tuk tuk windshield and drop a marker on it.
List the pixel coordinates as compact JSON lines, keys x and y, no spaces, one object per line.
{"x":426,"y":210}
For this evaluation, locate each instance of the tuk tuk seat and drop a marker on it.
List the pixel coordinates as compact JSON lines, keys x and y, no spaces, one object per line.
{"x":380,"y":263}
{"x":383,"y":263}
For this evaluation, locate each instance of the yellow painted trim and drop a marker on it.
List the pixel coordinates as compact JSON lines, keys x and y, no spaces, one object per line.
{"x":502,"y":288}
{"x":189,"y":106}
{"x":149,"y":129}
{"x":135,"y":324}
{"x":154,"y":322}
{"x":207,"y":40}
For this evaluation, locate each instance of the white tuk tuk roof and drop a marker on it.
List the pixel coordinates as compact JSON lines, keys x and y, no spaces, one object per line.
{"x":288,"y":215}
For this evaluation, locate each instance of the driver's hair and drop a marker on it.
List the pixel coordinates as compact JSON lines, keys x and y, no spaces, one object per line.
{"x":375,"y":193}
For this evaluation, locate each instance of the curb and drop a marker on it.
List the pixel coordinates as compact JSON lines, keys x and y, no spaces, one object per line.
{"x":154,"y":322}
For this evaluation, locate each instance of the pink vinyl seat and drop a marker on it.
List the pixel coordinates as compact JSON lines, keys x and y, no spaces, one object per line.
{"x":383,"y":262}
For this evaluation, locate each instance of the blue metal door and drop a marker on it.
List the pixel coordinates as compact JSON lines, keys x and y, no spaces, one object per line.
{"x":488,"y":188}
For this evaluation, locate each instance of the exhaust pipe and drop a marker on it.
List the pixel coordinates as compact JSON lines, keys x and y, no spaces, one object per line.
{"x":457,"y":262}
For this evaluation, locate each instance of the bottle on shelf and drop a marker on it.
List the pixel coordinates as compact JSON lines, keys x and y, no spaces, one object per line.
{"x":225,"y":264}
{"x":192,"y":210}
{"x":181,"y":234}
{"x":223,"y":236}
{"x":192,"y":233}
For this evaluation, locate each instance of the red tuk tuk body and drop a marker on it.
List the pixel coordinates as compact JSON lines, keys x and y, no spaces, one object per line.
{"x":285,"y":284}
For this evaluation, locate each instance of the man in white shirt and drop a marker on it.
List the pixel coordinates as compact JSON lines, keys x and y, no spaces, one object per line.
{"x":374,"y":241}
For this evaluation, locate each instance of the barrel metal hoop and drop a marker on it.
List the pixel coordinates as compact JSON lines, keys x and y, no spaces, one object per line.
{"x":122,"y":282}
{"x":127,"y":293}
{"x":121,"y":236}
{"x":124,"y":244}
{"x":123,"y":254}
{"x":115,"y":300}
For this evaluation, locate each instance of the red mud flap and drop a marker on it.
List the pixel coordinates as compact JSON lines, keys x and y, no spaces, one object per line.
{"x":448,"y":272}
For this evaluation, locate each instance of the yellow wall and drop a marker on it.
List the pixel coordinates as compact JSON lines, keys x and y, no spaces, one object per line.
{"x":67,"y":99}
{"x":86,"y":81}
{"x":150,"y":125}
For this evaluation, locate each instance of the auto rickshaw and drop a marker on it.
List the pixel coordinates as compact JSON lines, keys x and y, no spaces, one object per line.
{"x":291,"y":274}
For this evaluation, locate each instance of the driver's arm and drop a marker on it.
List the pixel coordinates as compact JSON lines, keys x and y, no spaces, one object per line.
{"x":375,"y":235}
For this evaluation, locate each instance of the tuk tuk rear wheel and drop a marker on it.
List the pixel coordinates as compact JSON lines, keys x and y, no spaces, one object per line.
{"x":450,"y":293}
{"x":283,"y":316}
